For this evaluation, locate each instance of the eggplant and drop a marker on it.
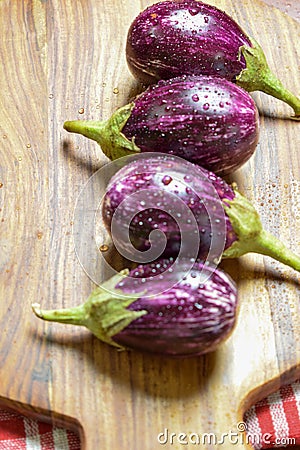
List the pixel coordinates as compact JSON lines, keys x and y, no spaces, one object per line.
{"x":206,"y":120}
{"x":139,"y":310}
{"x":193,"y":212}
{"x":176,"y":37}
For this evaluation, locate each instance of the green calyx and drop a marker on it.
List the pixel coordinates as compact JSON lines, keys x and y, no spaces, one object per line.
{"x":108,"y":134}
{"x":257,"y":76}
{"x":251,"y":237}
{"x":104,"y":313}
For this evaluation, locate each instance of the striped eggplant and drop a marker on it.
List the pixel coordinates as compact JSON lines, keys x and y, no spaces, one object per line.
{"x":175,"y":198}
{"x":138,"y":310}
{"x":176,"y":37}
{"x":206,"y":120}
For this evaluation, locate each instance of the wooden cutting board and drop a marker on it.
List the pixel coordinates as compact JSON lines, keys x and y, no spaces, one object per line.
{"x":63,"y":60}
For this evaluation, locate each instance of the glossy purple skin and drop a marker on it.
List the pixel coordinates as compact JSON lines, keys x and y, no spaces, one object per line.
{"x":172,"y":38}
{"x":191,"y":318}
{"x":203,"y":119}
{"x":167,"y":195}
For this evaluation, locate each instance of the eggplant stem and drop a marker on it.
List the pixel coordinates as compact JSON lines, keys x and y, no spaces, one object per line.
{"x":271,"y":85}
{"x":108,"y":134}
{"x":88,"y":128}
{"x":73,"y":316}
{"x":251,"y":237}
{"x":257,"y":76}
{"x":268,"y":245}
{"x":104,"y":313}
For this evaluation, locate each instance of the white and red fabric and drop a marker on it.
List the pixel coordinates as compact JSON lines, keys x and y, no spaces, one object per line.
{"x":274,"y":422}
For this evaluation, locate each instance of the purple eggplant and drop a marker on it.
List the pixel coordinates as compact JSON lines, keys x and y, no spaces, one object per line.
{"x":176,"y":37}
{"x":152,"y":193}
{"x":206,"y":120}
{"x":138,"y":310}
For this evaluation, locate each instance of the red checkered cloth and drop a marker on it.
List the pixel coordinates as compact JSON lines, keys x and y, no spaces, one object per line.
{"x":273,"y":422}
{"x":22,"y":433}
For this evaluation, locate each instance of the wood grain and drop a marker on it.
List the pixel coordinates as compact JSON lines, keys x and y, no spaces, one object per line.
{"x":59,"y":57}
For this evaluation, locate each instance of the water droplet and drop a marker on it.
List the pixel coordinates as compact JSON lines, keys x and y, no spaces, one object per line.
{"x":166,"y":180}
{"x":28,"y":145}
{"x":4,"y":136}
{"x":51,"y":96}
{"x":39,"y":235}
{"x":195,"y":97}
{"x":103,"y":248}
{"x":19,"y":158}
{"x":206,"y":106}
{"x":221,"y":104}
{"x":206,"y":19}
{"x":81,"y":110}
{"x":115,"y":90}
{"x":103,"y":84}
{"x":193,"y":11}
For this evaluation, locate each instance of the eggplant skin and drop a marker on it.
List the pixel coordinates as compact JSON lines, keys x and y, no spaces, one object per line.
{"x":189,"y":319}
{"x":158,"y":193}
{"x":204,"y":119}
{"x":172,"y":38}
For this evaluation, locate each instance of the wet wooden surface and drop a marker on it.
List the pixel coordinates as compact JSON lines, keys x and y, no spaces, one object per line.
{"x":64,"y":60}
